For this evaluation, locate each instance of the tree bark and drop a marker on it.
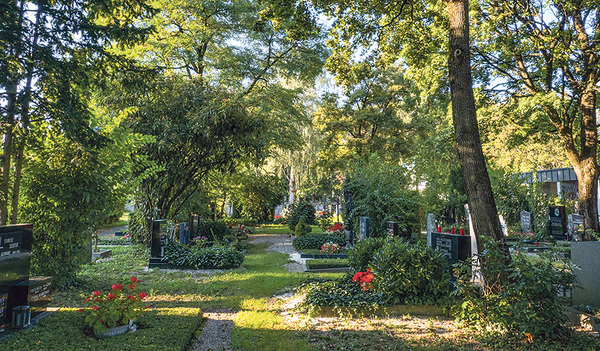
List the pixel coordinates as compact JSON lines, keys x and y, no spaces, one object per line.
{"x":468,"y":142}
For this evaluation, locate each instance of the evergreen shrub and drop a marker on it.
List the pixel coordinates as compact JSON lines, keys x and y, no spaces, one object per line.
{"x":315,"y":241}
{"x":302,"y":209}
{"x":302,"y":228}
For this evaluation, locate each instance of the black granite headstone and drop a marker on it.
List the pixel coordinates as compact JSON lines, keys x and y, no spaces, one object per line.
{"x":38,"y":291}
{"x":159,"y":236}
{"x":15,"y":254}
{"x":455,"y":247}
{"x":392,"y":228}
{"x":557,"y":224}
{"x":194,"y":223}
{"x":184,"y":233}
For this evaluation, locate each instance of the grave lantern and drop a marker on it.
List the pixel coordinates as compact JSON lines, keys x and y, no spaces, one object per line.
{"x":21,"y":317}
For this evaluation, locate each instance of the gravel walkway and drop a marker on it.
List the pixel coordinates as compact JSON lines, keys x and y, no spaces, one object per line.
{"x":216,"y":332}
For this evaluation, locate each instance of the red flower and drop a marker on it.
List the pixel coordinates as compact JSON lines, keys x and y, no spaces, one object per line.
{"x":88,"y":299}
{"x":131,"y":286}
{"x":97,"y":293}
{"x":147,"y":307}
{"x":101,"y":320}
{"x":95,"y":308}
{"x":133,"y":279}
{"x":142,"y":295}
{"x":80,"y":310}
{"x":98,"y":300}
{"x":111,"y":296}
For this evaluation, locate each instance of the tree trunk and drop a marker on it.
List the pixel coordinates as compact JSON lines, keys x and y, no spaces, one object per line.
{"x":477,"y":183}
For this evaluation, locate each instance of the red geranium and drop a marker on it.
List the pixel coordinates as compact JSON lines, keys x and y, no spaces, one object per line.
{"x":364,"y":278}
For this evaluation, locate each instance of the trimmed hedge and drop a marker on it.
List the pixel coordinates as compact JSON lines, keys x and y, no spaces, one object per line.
{"x":208,"y":257}
{"x":326,"y":263}
{"x":315,"y":241}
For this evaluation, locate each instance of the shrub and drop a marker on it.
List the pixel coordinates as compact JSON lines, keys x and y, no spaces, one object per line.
{"x":315,"y":241}
{"x":213,"y":230}
{"x":207,"y":257}
{"x":299,"y":210}
{"x":339,"y":293}
{"x":409,"y":273}
{"x":302,"y":228}
{"x":527,"y":305}
{"x":361,"y":255}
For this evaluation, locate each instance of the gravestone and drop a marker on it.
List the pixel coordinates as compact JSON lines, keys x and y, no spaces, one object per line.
{"x":503,"y":225}
{"x":184,"y":234}
{"x":575,"y":226}
{"x":365,"y":226}
{"x":557,"y":224}
{"x":193,"y":228}
{"x":38,"y":291}
{"x":455,"y":247}
{"x":15,"y":254}
{"x":525,"y":221}
{"x":586,"y":255}
{"x":159,"y":238}
{"x":477,"y":277}
{"x":431,"y":227}
{"x":392,"y":228}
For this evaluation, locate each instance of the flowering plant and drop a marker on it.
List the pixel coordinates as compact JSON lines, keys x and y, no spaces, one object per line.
{"x":239,"y":230}
{"x":364,"y":278}
{"x":116,"y":308}
{"x":331,"y":248}
{"x":336,"y":228}
{"x":200,"y":241}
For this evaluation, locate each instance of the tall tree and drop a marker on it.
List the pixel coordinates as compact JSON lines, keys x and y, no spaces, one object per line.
{"x":385,"y":28}
{"x":51,"y":52}
{"x":545,"y":54}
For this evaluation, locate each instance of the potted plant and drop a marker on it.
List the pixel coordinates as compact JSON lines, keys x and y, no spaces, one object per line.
{"x":113,"y":313}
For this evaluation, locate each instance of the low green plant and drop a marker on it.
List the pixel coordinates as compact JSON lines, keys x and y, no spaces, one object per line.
{"x":326,"y":263}
{"x":207,"y":257}
{"x":302,"y":228}
{"x":115,"y":308}
{"x":527,"y":305}
{"x":338,"y":293}
{"x":248,"y":222}
{"x":361,"y":255}
{"x":411,"y":273}
{"x":315,"y":241}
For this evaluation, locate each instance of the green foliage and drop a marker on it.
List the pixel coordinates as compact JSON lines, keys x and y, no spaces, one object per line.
{"x":208,"y":257}
{"x":339,"y":293}
{"x":249,"y":222}
{"x":65,"y":191}
{"x":315,"y":241}
{"x":213,"y":230}
{"x":302,"y":228}
{"x":115,"y":308}
{"x":410,"y":273}
{"x":301,"y":209}
{"x":326,"y":263}
{"x":361,"y":255}
{"x":381,"y":192}
{"x":259,"y":195}
{"x":529,"y":303}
